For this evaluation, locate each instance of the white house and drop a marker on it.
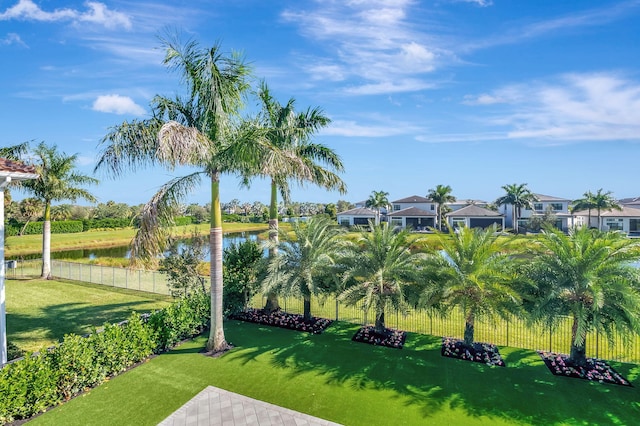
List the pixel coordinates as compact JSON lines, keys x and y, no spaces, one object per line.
{"x":412,"y":217}
{"x":626,"y":220}
{"x":357,"y":216}
{"x":473,"y":216}
{"x":10,"y":171}
{"x":458,"y":204}
{"x":558,"y":206}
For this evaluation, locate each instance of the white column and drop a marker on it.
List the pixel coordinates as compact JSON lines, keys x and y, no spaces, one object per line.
{"x":3,"y":313}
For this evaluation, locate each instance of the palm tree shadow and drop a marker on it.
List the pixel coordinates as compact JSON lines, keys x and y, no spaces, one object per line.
{"x":420,"y":376}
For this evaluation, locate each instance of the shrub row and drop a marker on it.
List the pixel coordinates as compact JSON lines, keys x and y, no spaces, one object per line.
{"x":35,"y":228}
{"x":31,"y":385}
{"x":107,"y":223}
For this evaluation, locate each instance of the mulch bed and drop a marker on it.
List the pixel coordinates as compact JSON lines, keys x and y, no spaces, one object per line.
{"x":390,"y":338}
{"x":284,"y":320}
{"x":595,"y":369}
{"x":484,"y":353}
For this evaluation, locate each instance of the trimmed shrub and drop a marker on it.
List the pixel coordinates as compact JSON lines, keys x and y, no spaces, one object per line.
{"x":183,"y":220}
{"x":107,"y":223}
{"x":31,"y":385}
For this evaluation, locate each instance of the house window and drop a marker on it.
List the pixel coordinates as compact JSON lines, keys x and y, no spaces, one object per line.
{"x":614,"y":224}
{"x":433,"y":207}
{"x":458,"y":222}
{"x":556,"y":207}
{"x":344,"y":221}
{"x":537,"y":207}
{"x":396,"y":207}
{"x":396,"y":221}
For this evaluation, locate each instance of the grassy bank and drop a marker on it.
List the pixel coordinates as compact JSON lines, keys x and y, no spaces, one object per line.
{"x":351,"y":383}
{"x":29,"y":244}
{"x":41,"y":312}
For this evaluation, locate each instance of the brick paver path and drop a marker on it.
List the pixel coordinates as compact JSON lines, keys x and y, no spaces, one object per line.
{"x":215,"y":406}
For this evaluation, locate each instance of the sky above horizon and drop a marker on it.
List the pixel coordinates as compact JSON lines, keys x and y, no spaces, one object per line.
{"x":474,"y":94}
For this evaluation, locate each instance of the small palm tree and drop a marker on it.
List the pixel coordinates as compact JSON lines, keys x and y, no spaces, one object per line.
{"x":604,"y":201}
{"x":585,"y":203}
{"x":304,"y":260}
{"x":473,"y":273}
{"x":518,"y":196}
{"x":57,"y":180}
{"x":440,"y":195}
{"x":378,"y":200}
{"x":586,"y":275}
{"x":379,"y":267}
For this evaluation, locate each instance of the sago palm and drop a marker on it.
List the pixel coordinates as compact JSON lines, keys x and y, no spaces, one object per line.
{"x":304,"y":260}
{"x":472,"y":272}
{"x":198,"y":131}
{"x":587,"y":276}
{"x":378,"y":268}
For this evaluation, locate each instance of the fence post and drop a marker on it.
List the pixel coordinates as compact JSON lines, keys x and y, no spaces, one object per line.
{"x":507,"y":333}
{"x":337,"y":309}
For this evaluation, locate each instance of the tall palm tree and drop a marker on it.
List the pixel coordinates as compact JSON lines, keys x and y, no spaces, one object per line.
{"x":378,"y":200}
{"x":587,"y":276}
{"x":303,"y":260}
{"x":604,"y":201}
{"x":517,"y":196}
{"x":585,"y":203}
{"x":287,"y":153}
{"x":441,"y":194}
{"x":379,"y":267}
{"x":197,"y":130}
{"x":472,"y":272}
{"x":57,"y":180}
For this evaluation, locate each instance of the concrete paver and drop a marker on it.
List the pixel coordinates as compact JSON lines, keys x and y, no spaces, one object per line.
{"x":215,"y":406}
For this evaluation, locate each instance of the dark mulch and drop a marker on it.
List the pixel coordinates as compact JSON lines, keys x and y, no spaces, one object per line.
{"x":484,"y":353}
{"x":595,"y":369}
{"x":284,"y":320}
{"x":389,"y":338}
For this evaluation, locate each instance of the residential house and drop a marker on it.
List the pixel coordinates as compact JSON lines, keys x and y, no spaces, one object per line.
{"x":10,"y":171}
{"x":473,"y":216}
{"x":559,"y":207}
{"x":458,"y":204}
{"x":626,"y":220}
{"x":414,"y":212}
{"x":356,"y":216}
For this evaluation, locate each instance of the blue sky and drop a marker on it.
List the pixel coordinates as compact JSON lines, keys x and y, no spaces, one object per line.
{"x":474,"y":94}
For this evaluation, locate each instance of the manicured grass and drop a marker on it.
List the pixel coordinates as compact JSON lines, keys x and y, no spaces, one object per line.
{"x":351,"y":383}
{"x":28,"y":244}
{"x":41,"y":312}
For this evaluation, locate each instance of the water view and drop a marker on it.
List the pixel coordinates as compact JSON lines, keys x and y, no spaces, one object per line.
{"x":124,"y":251}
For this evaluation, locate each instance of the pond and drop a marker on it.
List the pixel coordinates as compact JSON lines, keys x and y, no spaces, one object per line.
{"x":124,"y":251}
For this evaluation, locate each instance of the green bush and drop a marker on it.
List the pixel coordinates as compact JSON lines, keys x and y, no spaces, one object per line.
{"x":107,"y":223}
{"x":35,"y":228}
{"x":13,"y":351}
{"x":183,"y":220}
{"x":31,"y":385}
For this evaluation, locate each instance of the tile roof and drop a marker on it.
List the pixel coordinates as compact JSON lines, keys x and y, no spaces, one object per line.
{"x":542,"y":197}
{"x":474,"y":211}
{"x":625,"y":212}
{"x":413,"y":199}
{"x":11,"y":166}
{"x":411,"y":212}
{"x":359,"y":211}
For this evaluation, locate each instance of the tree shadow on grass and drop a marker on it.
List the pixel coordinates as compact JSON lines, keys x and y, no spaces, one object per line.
{"x":54,"y":321}
{"x":525,"y":391}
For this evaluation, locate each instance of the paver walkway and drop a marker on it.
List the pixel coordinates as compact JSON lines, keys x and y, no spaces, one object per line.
{"x":215,"y":406}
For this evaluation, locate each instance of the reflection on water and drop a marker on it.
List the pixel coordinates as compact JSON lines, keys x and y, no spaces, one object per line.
{"x":123,"y":251}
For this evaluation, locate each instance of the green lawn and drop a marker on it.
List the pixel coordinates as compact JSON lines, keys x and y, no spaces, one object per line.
{"x":41,"y":312}
{"x":330,"y":376}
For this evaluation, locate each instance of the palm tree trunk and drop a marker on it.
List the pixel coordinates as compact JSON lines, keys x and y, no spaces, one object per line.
{"x":578,"y":354}
{"x":46,"y":243}
{"x":307,"y":308}
{"x":272,"y":303}
{"x":469,"y":326}
{"x":216,"y":342}
{"x":380,"y":326}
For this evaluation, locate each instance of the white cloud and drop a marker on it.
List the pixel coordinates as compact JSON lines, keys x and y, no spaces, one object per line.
{"x":117,"y":104}
{"x":481,"y":3}
{"x":375,"y":127}
{"x":568,"y":109}
{"x":12,"y":38}
{"x":372,"y":45}
{"x":97,"y":13}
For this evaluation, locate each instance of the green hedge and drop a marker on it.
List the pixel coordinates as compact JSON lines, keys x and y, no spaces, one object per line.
{"x":35,"y":228}
{"x":37,"y":382}
{"x":107,"y":223}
